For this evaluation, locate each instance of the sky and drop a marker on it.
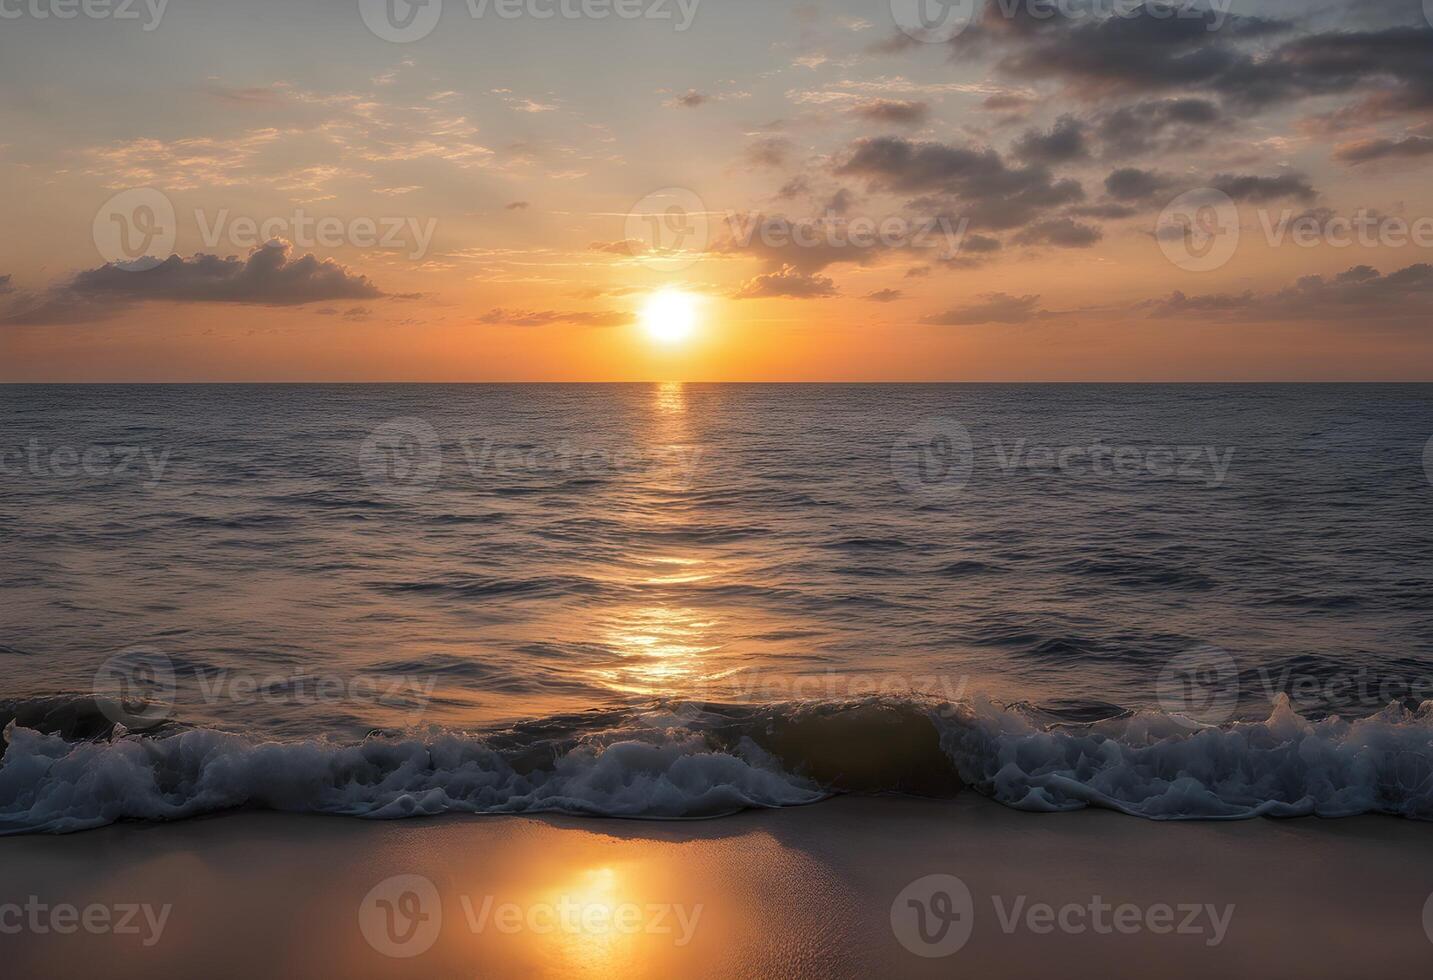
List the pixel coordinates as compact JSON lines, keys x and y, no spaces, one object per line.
{"x":716,"y":190}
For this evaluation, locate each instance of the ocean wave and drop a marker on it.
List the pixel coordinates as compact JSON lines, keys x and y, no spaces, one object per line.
{"x":64,"y":770}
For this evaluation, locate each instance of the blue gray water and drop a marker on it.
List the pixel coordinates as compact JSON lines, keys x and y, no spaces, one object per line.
{"x":552,"y":565}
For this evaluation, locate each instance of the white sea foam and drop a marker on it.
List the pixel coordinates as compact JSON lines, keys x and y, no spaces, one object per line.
{"x":709,"y":763}
{"x":1164,"y":768}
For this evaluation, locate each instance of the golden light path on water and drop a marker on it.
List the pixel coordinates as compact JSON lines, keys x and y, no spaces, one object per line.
{"x":664,"y":648}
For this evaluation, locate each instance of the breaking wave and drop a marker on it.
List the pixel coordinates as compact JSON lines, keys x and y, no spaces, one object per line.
{"x":65,"y":769}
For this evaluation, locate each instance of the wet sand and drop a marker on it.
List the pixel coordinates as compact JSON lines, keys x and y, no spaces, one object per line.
{"x":790,"y":893}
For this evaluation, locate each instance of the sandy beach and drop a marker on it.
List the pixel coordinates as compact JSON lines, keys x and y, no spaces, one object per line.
{"x":796,"y":892}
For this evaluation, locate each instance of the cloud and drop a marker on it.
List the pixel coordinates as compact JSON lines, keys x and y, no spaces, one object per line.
{"x":897,"y":112}
{"x":1156,"y":125}
{"x":885,"y":295}
{"x":1360,"y":293}
{"x":1064,"y":143}
{"x":517,"y":206}
{"x":788,"y":282}
{"x":267,"y":278}
{"x":992,"y":194}
{"x":1365,"y":151}
{"x":1249,"y":61}
{"x":689,"y":100}
{"x":543,"y":318}
{"x":1060,"y":232}
{"x":1258,"y":190}
{"x":5,"y":286}
{"x":1133,"y":184}
{"x":992,"y":308}
{"x":769,"y":151}
{"x":627,"y":246}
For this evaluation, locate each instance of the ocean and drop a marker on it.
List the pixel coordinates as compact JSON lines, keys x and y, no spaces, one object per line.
{"x":681,"y":600}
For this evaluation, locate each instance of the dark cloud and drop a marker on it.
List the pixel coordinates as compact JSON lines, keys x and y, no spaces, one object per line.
{"x":992,"y":308}
{"x":690,"y":100}
{"x":991,"y":194}
{"x":1365,"y":151}
{"x":840,"y":202}
{"x":518,"y":206}
{"x":543,"y":318}
{"x":1357,"y":294}
{"x":788,"y":282}
{"x":1133,"y":184}
{"x":1108,"y":211}
{"x":266,"y":278}
{"x":769,"y":151}
{"x":1258,"y":190}
{"x":1064,"y":143}
{"x":892,"y":111}
{"x":1249,"y":61}
{"x":1156,"y":125}
{"x":885,"y":295}
{"x":1060,"y":232}
{"x":794,"y":188}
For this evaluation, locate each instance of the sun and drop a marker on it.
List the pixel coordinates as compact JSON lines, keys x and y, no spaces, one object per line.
{"x":670,"y":316}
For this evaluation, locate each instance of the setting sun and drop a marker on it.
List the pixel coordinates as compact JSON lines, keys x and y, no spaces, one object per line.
{"x":669,"y":317}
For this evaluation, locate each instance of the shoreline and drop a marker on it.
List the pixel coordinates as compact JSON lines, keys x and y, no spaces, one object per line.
{"x":790,"y":892}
